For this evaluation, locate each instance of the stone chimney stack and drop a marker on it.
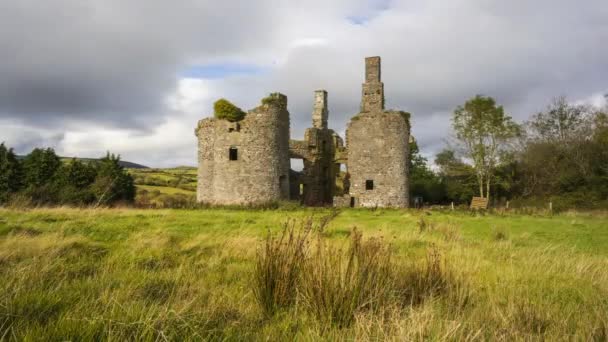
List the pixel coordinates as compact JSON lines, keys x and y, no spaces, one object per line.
{"x":372,"y":99}
{"x":320,"y":111}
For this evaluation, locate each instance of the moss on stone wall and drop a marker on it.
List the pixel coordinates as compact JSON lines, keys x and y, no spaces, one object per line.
{"x":273,"y":99}
{"x":224,"y":109}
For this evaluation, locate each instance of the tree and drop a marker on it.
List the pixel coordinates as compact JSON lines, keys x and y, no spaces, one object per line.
{"x":40,"y":166}
{"x":561,"y":122}
{"x":457,"y":177}
{"x":423,"y":181}
{"x":73,"y":183}
{"x":484,"y":131}
{"x":113,"y":183}
{"x":564,"y":156}
{"x":11,"y":175}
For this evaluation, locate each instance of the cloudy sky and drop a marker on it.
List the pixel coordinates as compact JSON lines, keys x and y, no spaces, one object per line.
{"x":134,"y":77}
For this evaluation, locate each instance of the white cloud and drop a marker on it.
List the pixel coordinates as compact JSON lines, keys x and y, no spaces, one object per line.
{"x":436,"y":54}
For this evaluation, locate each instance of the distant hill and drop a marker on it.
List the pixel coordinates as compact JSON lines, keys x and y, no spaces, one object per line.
{"x":123,"y":163}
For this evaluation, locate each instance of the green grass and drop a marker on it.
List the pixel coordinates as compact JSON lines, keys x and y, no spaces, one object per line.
{"x":165,"y":189}
{"x":180,"y":177}
{"x":125,"y":274}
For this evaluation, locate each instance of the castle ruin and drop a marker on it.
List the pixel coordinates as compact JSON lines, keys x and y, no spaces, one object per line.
{"x":248,"y":162}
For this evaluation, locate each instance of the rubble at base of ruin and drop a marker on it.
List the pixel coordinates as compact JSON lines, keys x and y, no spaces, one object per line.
{"x":248,"y":162}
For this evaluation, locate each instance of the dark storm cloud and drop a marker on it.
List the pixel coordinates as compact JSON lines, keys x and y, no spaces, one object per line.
{"x":112,"y":62}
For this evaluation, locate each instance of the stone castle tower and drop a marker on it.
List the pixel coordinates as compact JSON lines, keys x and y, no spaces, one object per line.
{"x":377,"y":144}
{"x":245,"y":162}
{"x":248,"y":162}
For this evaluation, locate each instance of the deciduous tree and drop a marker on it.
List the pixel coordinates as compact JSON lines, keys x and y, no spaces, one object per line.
{"x":484,"y":130}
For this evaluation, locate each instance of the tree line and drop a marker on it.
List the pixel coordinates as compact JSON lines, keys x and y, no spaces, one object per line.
{"x":42,"y":178}
{"x":560,"y":155}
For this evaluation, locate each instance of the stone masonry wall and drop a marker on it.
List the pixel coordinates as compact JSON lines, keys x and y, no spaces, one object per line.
{"x":320,"y":110}
{"x":377,"y":143}
{"x":378,"y":151}
{"x":372,"y":95}
{"x":318,"y":151}
{"x":260,"y":174}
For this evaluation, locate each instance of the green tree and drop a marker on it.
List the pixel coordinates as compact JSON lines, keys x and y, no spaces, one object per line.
{"x":11,"y":175}
{"x":561,"y":122}
{"x":564,"y":156}
{"x":73,"y":183}
{"x":113,"y":183}
{"x":457,"y":177}
{"x":484,"y":130}
{"x":423,"y":181}
{"x":40,"y":166}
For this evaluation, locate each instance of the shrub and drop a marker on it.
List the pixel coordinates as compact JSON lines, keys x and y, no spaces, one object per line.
{"x":272,"y":99}
{"x":224,"y":109}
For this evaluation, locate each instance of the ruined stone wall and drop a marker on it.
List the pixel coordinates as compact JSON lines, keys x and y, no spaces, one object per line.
{"x":320,"y":111}
{"x":377,"y":144}
{"x":318,"y":151}
{"x":260,"y":174}
{"x":372,"y":96}
{"x":378,"y":151}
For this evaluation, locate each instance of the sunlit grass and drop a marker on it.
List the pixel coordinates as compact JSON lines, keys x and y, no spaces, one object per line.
{"x":125,"y":274}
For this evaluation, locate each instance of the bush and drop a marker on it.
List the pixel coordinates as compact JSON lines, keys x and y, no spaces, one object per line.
{"x":224,"y":109}
{"x":272,"y":99}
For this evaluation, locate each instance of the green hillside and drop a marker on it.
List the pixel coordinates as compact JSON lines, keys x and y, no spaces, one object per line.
{"x":161,"y":188}
{"x":123,"y":163}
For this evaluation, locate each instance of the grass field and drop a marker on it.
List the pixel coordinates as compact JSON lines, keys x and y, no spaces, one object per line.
{"x":180,"y":177}
{"x":165,"y":189}
{"x":125,"y":274}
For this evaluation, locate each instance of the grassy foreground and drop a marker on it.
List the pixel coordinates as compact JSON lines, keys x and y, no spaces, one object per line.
{"x":70,"y":274}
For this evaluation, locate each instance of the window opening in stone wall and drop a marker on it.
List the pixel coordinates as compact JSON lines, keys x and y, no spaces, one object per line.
{"x":236,"y":128}
{"x":352,"y":202}
{"x":233,"y":153}
{"x":323,"y":143}
{"x":369,"y":184}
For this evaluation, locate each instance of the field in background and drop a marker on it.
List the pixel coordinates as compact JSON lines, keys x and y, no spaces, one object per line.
{"x":160,"y":188}
{"x":70,"y":274}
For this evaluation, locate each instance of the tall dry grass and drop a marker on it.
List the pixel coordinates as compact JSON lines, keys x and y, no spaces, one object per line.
{"x":334,"y":283}
{"x":278,"y":267}
{"x":339,"y":283}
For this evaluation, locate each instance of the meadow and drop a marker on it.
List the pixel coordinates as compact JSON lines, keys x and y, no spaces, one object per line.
{"x":128,"y":274}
